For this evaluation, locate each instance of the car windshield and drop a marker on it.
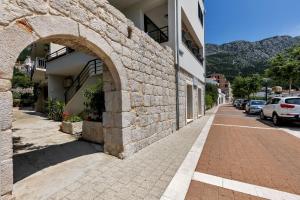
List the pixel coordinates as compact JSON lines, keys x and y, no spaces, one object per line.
{"x":256,"y":103}
{"x":293,"y":101}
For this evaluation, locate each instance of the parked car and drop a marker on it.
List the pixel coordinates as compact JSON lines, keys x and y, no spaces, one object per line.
{"x":281,"y":109}
{"x":235,"y":102}
{"x":254,"y":106}
{"x":243,"y":104}
{"x":238,"y":103}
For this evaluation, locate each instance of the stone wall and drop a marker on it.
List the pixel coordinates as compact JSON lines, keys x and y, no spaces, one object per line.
{"x":139,"y":81}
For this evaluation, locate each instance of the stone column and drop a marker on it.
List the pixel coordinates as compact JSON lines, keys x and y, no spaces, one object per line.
{"x":6,"y":148}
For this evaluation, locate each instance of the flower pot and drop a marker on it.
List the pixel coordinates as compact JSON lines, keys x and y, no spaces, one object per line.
{"x":93,"y":131}
{"x":74,"y":128}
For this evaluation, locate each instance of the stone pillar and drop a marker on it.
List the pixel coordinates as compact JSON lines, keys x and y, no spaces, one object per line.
{"x":6,"y":148}
{"x":112,"y":117}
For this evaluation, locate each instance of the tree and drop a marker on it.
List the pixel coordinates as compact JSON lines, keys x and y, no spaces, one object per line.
{"x":285,"y":67}
{"x":211,"y":95}
{"x":21,"y":80}
{"x":239,"y":87}
{"x":245,"y":86}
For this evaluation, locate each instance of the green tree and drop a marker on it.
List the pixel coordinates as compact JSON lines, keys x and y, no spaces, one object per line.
{"x":239,"y":87}
{"x":211,"y":95}
{"x":21,"y":80}
{"x":285,"y":67}
{"x":245,"y":86}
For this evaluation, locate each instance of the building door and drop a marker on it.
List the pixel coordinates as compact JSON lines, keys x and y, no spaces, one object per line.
{"x":189,"y":102}
{"x":199,"y":102}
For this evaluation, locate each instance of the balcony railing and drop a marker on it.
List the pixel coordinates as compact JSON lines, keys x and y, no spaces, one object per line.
{"x":192,"y":46}
{"x":59,"y":53}
{"x":160,"y":35}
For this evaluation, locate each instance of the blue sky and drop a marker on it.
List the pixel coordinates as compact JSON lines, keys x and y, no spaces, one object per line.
{"x":229,"y":20}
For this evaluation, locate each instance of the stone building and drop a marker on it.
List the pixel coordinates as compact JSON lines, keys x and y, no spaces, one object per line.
{"x":153,"y":78}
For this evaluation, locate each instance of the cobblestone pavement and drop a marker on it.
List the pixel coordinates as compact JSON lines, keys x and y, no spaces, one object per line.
{"x":244,"y":149}
{"x":145,"y":175}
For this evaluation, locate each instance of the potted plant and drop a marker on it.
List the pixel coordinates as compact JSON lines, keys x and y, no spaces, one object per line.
{"x":92,"y":129}
{"x":71,"y":124}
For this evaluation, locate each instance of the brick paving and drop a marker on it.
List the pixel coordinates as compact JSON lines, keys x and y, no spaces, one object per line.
{"x":202,"y":191}
{"x":264,"y":157}
{"x":142,"y":176}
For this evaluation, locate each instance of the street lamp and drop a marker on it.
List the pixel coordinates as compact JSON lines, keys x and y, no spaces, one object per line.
{"x":266,"y":81}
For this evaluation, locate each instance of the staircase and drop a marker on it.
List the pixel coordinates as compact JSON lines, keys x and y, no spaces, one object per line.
{"x":92,"y":68}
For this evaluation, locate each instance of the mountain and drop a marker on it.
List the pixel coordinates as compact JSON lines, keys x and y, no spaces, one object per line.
{"x":244,"y":57}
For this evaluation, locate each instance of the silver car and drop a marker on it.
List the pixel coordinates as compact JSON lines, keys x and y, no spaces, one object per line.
{"x":255,"y":106}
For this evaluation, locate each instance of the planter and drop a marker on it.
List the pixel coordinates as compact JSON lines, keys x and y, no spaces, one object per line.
{"x":74,"y":128}
{"x":93,"y":132}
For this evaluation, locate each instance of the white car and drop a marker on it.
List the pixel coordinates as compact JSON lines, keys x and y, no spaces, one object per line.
{"x":282,"y":108}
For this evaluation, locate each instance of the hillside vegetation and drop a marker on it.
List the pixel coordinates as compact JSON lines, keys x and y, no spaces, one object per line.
{"x":245,"y":58}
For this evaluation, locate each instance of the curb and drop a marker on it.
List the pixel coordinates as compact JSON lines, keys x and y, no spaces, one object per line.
{"x":180,"y":183}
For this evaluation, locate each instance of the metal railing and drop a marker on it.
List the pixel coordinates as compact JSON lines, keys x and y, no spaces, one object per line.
{"x":59,"y":53}
{"x":38,"y":63}
{"x":192,"y":46}
{"x":93,"y":67}
{"x":160,"y":35}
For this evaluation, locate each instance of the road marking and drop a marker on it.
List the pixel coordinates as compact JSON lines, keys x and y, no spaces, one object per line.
{"x":246,"y":188}
{"x":180,"y":183}
{"x":253,"y":127}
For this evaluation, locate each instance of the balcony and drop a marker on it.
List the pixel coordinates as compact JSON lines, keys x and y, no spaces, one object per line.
{"x":59,"y":53}
{"x":189,"y":42}
{"x":160,"y":35}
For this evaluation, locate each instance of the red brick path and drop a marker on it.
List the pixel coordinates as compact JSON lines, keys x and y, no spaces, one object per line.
{"x":269,"y":158}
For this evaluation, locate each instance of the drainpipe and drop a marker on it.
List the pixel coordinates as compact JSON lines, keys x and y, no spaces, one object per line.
{"x":177,"y":67}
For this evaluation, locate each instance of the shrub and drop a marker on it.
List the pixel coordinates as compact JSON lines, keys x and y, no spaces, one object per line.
{"x":71,"y":118}
{"x":55,"y":110}
{"x":211,"y":95}
{"x":94,"y":104}
{"x":21,"y":80}
{"x":208,"y":101}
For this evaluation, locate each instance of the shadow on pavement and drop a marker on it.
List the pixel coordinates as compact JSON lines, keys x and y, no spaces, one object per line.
{"x":29,"y":163}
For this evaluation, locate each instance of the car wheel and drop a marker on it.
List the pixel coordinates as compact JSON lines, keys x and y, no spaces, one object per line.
{"x":262,"y":115}
{"x":276,"y":119}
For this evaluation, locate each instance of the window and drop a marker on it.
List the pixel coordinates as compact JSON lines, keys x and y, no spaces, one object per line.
{"x":200,"y":14}
{"x":293,"y":101}
{"x":275,"y":101}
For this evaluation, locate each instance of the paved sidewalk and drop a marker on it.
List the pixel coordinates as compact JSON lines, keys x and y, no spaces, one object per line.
{"x":99,"y":176}
{"x":243,"y":153}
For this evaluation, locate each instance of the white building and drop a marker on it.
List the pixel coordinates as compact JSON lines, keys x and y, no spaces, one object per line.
{"x":178,"y":24}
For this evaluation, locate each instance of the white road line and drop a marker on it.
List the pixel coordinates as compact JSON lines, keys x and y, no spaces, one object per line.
{"x":246,"y":188}
{"x":295,"y":133}
{"x":254,"y":127}
{"x":180,"y":183}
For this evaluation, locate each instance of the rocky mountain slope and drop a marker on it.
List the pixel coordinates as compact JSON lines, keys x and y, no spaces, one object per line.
{"x":243,"y":57}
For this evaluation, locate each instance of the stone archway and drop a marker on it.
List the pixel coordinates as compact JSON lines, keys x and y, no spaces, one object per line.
{"x":65,"y":31}
{"x":140,"y":89}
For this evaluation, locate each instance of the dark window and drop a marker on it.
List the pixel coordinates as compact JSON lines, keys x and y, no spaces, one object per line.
{"x":293,"y":101}
{"x":200,"y":14}
{"x":275,"y":101}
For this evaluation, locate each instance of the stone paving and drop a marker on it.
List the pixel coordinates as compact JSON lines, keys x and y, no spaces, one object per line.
{"x":250,"y":151}
{"x":145,"y":175}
